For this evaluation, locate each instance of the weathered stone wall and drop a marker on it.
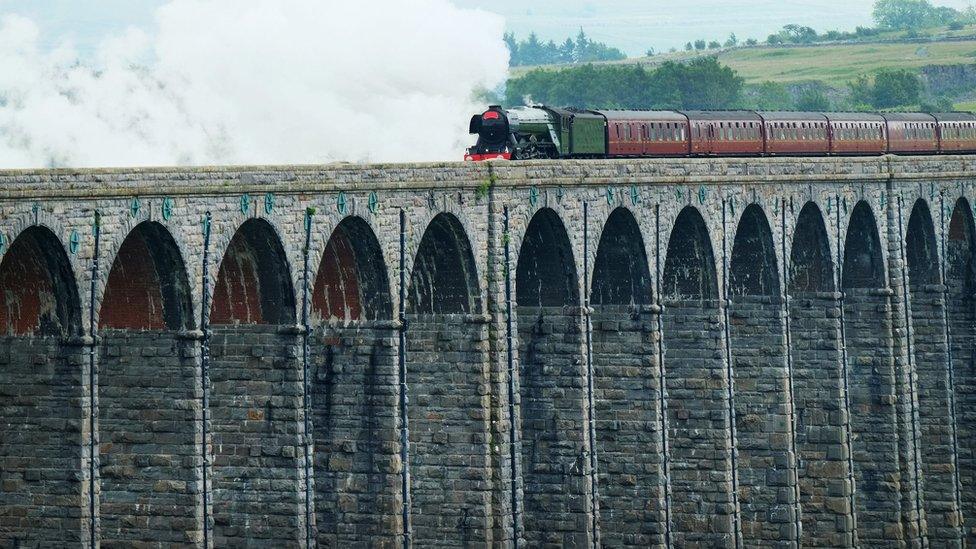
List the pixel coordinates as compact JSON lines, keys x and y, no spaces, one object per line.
{"x":806,"y":408}
{"x":149,"y":403}
{"x":257,"y":428}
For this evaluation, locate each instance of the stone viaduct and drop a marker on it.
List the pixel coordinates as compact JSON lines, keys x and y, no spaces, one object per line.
{"x":684,"y":352}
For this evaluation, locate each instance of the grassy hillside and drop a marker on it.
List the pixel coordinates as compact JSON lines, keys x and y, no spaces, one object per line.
{"x":838,"y":64}
{"x":834,"y":64}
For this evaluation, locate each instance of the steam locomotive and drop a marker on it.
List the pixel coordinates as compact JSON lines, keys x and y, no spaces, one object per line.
{"x":536,"y":132}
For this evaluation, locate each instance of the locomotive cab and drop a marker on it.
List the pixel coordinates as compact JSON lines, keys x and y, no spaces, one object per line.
{"x":493,"y":131}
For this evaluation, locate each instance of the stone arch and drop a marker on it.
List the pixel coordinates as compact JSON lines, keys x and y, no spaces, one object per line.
{"x":753,"y":268}
{"x":551,"y":377}
{"x":863,"y":257}
{"x":353,"y":389}
{"x":698,"y":420}
{"x":689,"y":268}
{"x":254,"y":282}
{"x":148,"y":287}
{"x":872,"y":389}
{"x":444,"y":278}
{"x":39,"y":293}
{"x":43,"y":393}
{"x":929,"y":345}
{"x":352,"y":281}
{"x":447,"y":371}
{"x":818,"y":384}
{"x":811,"y":263}
{"x":257,"y":402}
{"x":621,"y":275}
{"x":546,"y":271}
{"x":757,"y":335}
{"x":148,"y":378}
{"x":960,"y":280}
{"x":626,"y":388}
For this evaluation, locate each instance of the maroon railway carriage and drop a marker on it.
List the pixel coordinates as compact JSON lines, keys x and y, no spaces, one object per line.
{"x":796,"y":133}
{"x":857,"y":134}
{"x":957,"y":132}
{"x":728,"y":133}
{"x":912,"y":133}
{"x":646,"y":133}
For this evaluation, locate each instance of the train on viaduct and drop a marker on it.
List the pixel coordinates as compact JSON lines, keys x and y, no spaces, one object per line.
{"x":693,"y":352}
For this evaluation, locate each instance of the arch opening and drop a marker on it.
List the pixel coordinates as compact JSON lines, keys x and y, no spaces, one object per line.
{"x":626,"y":388}
{"x":352,"y":281}
{"x":43,"y":410}
{"x":254,"y":282}
{"x":757,"y":339}
{"x":753,"y":270}
{"x":38,"y":293}
{"x":447,"y":368}
{"x":621,"y":275}
{"x":960,"y":267}
{"x":872,"y":386}
{"x":689,"y":270}
{"x":148,"y":287}
{"x":811,"y":266}
{"x":353,"y":361}
{"x":698,"y":420}
{"x":546,"y":271}
{"x":444,"y":278}
{"x":551,"y":374}
{"x":818,"y":383}
{"x":863,"y":259}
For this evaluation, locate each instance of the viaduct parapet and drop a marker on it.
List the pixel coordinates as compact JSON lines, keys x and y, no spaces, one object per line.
{"x":687,"y":352}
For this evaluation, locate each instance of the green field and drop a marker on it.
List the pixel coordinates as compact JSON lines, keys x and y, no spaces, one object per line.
{"x":834,"y":64}
{"x":839,"y":64}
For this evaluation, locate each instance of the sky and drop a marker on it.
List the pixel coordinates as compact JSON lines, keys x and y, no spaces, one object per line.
{"x":632,"y":25}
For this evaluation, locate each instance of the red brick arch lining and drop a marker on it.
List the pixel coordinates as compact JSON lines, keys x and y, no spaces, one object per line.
{"x":38,"y":294}
{"x":352,"y":281}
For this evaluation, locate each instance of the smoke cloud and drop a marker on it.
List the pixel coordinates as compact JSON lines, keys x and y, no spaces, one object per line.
{"x":249,"y":82}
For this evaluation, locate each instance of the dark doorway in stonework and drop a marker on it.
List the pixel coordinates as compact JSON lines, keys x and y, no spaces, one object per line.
{"x":43,"y":380}
{"x":148,"y":392}
{"x":757,"y":334}
{"x":552,"y":410}
{"x":871,"y":378}
{"x":256,"y":394}
{"x":626,"y":392}
{"x":818,"y":385}
{"x":354,"y":392}
{"x":447,"y":380}
{"x":697,"y":385}
{"x":960,"y":269}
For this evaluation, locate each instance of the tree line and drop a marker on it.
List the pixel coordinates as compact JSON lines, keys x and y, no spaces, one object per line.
{"x":705,"y":83}
{"x":533,"y":51}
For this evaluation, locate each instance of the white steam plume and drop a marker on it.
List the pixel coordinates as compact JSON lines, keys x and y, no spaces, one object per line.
{"x":250,"y":82}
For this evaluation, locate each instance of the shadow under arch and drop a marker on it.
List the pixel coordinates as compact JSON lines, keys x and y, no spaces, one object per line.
{"x":256,"y":371}
{"x":871,"y":378}
{"x":937,"y":438}
{"x":698,"y":420}
{"x":353,"y":387}
{"x":444,"y":278}
{"x":960,"y":281}
{"x":627,"y":396}
{"x":553,"y":430}
{"x":146,"y":375}
{"x":44,"y":416}
{"x":148,"y":287}
{"x":38,"y":290}
{"x":763,"y":396}
{"x":254,"y":281}
{"x":819,"y":384}
{"x":446,"y":371}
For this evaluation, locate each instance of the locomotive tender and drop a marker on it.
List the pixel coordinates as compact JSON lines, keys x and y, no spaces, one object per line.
{"x":524,"y":133}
